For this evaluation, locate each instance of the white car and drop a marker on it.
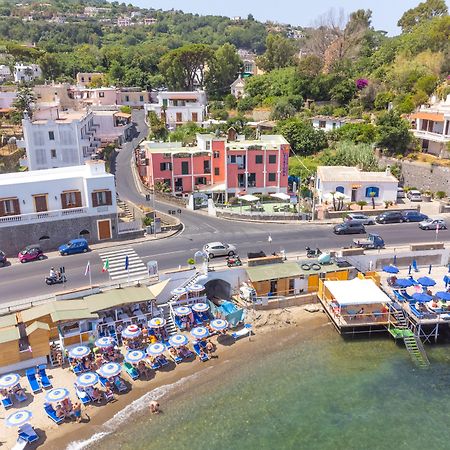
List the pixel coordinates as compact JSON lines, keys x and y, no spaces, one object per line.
{"x":214,"y":249}
{"x":414,"y":196}
{"x":432,"y":224}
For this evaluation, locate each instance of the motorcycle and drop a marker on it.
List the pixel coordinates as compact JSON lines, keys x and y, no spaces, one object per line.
{"x":310,"y":253}
{"x":58,"y":279}
{"x":234,"y":261}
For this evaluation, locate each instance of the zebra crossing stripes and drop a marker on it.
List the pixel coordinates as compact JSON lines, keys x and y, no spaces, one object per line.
{"x":116,"y":259}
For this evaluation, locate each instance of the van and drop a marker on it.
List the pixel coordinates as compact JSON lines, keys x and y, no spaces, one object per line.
{"x":74,"y":246}
{"x":400,"y":193}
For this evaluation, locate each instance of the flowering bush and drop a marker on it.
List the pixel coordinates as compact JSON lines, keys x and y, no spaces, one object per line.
{"x":361,"y":83}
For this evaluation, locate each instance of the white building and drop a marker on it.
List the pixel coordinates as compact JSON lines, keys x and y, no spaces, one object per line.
{"x":355,"y":184}
{"x":237,"y":88}
{"x":431,"y":125}
{"x":7,"y":99}
{"x":5,"y":73}
{"x":51,"y":206}
{"x":113,"y":125}
{"x":124,"y":22}
{"x":177,"y":108}
{"x":150,"y":21}
{"x":329,"y":123}
{"x":26,"y":73}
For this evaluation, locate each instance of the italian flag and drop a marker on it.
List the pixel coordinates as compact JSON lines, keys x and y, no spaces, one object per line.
{"x":105,"y":267}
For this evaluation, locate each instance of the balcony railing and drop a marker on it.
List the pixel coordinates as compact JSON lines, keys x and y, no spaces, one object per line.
{"x":437,"y":137}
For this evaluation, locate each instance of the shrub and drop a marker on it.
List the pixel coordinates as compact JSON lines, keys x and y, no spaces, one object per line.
{"x":440,"y":195}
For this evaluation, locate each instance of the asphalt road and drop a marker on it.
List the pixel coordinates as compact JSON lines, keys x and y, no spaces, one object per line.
{"x":22,"y":281}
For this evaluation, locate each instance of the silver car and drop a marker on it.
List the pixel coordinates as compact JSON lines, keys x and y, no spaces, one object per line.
{"x":214,"y":249}
{"x":359,"y":218}
{"x":433,"y":224}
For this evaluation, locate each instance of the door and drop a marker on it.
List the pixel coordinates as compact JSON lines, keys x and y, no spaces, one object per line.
{"x":104,"y":229}
{"x":179,"y":117}
{"x":354,"y":192}
{"x":313,"y":283}
{"x":194,"y":117}
{"x":40,"y":203}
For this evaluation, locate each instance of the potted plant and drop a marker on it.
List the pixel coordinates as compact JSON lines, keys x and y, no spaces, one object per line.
{"x":191,"y":263}
{"x":426,"y":196}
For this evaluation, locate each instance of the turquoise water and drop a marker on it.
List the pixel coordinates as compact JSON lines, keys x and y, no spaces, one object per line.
{"x":313,"y":392}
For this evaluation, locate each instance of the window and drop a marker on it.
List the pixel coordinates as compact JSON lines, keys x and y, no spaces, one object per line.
{"x":179,"y":117}
{"x":233,"y":159}
{"x":167,"y":181}
{"x":194,"y":117}
{"x":40,"y":203}
{"x":340,"y":189}
{"x":216,"y":154}
{"x":9,"y":207}
{"x":216,"y":171}
{"x":53,"y":153}
{"x":71,"y":200}
{"x":372,"y":191}
{"x":101,"y":198}
{"x":272,"y":159}
{"x":141,"y":98}
{"x":206,"y":167}
{"x":185,"y":168}
{"x":200,"y":180}
{"x":101,"y":94}
{"x":51,"y":135}
{"x":127,"y":98}
{"x":291,"y":285}
{"x":272,"y":176}
{"x":165,"y":166}
{"x":322,"y":124}
{"x":258,"y":159}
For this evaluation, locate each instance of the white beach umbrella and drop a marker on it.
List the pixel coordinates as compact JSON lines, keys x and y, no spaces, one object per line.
{"x":156,"y":349}
{"x":182,"y":310}
{"x":179,"y":291}
{"x":157,"y":322}
{"x":249,"y":198}
{"x":134,"y":356}
{"x":281,"y":196}
{"x":178,"y":339}
{"x":80,"y":351}
{"x":200,"y":307}
{"x":9,"y":380}
{"x":87,"y":379}
{"x":109,"y":370}
{"x":218,"y":324}
{"x":105,"y":342}
{"x":196,"y":288}
{"x":200,"y":332}
{"x":19,"y":418}
{"x":57,"y":395}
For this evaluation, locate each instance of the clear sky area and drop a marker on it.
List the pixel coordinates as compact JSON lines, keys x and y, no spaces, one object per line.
{"x":295,"y":12}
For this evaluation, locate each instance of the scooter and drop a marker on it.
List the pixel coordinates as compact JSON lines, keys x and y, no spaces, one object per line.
{"x":310,"y":253}
{"x":58,"y":279}
{"x":234,"y":261}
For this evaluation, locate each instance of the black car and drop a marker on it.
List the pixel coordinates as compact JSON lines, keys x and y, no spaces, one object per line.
{"x":349,"y":228}
{"x":3,"y":259}
{"x":390,"y":217}
{"x":414,"y":216}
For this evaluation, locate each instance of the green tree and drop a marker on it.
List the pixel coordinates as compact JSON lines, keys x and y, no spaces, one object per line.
{"x":421,"y":13}
{"x":158,"y":129}
{"x":283,"y":109}
{"x":50,"y":65}
{"x":280,"y":52}
{"x":350,"y":154}
{"x":24,"y":101}
{"x":364,"y":133}
{"x":344,"y":91}
{"x":393,"y":132}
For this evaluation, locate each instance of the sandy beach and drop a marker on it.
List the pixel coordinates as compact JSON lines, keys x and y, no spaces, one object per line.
{"x":165,"y":385}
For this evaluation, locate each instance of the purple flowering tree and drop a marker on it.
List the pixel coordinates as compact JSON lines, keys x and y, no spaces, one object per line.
{"x":361,"y":83}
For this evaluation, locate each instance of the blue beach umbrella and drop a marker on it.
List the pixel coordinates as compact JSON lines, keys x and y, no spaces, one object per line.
{"x":78,"y":352}
{"x":404,"y":282}
{"x":200,"y":332}
{"x":200,"y":307}
{"x":134,"y":356}
{"x":155,"y":349}
{"x":446,"y":280}
{"x":109,"y":370}
{"x":9,"y":380}
{"x":105,"y":342}
{"x":445,"y":296}
{"x":390,"y":269}
{"x":157,"y":322}
{"x":87,"y":379}
{"x":426,"y":281}
{"x":131,"y":332}
{"x":182,"y":310}
{"x":422,"y":297}
{"x":218,"y":324}
{"x":178,"y":339}
{"x":57,"y":395}
{"x":19,"y":418}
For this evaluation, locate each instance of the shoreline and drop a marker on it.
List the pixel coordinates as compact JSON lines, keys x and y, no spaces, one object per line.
{"x":175,"y":382}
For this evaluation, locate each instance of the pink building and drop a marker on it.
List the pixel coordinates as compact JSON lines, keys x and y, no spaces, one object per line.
{"x":218,"y":165}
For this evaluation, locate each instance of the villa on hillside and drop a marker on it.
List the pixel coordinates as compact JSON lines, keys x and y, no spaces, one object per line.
{"x":328,"y":123}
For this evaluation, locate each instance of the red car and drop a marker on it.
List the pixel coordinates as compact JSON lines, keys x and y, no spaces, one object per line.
{"x":31,"y":253}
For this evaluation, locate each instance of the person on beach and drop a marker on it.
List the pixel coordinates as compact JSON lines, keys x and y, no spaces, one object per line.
{"x":144,"y":369}
{"x":76,"y":411}
{"x":154,"y":407}
{"x":60,"y":412}
{"x":210,"y":347}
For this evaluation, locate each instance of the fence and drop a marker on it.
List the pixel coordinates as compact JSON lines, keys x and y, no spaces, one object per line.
{"x":129,"y":227}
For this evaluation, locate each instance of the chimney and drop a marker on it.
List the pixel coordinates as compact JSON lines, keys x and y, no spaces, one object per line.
{"x":388,"y":171}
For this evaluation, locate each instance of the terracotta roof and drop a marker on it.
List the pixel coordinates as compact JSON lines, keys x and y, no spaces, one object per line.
{"x":437,"y":117}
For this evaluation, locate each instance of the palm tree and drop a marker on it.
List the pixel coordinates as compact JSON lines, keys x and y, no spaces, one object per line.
{"x":334,"y":199}
{"x":361,"y":204}
{"x":372,"y":197}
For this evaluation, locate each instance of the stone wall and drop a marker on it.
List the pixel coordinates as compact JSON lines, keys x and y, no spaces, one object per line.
{"x":16,"y":237}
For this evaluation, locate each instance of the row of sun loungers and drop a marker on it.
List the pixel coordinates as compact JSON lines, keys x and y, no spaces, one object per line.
{"x":36,"y":385}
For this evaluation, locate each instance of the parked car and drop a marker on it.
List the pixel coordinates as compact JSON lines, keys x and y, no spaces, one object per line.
{"x":359,"y":218}
{"x":414,"y":216}
{"x":371,"y":241}
{"x":3,"y":260}
{"x":401,"y":193}
{"x":414,"y":196}
{"x":214,"y":249}
{"x":74,"y":246}
{"x":390,"y":217}
{"x":31,"y":253}
{"x":432,"y":224}
{"x":349,"y":228}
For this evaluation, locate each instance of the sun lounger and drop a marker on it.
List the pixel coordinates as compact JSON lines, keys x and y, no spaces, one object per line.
{"x":20,"y":397}
{"x":27,"y":433}
{"x":82,"y":395}
{"x":120,"y":385}
{"x":109,"y":397}
{"x":198,"y":319}
{"x":163,"y":361}
{"x":155,"y":365}
{"x":77,"y":369}
{"x":176,"y":358}
{"x":45,"y":382}
{"x":52,"y":414}
{"x":131,"y":371}
{"x":102,"y":380}
{"x":20,"y":444}
{"x":33,"y":382}
{"x":7,"y":403}
{"x":203,"y":357}
{"x":246,"y":331}
{"x":179,"y":324}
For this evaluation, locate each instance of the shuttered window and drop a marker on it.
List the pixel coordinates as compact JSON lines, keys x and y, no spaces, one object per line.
{"x":9,"y":207}
{"x":71,"y":200}
{"x":101,"y":198}
{"x":40,"y":203}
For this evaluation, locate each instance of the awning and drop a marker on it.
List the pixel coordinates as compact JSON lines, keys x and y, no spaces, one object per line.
{"x":274,"y":271}
{"x":157,"y":288}
{"x":436,"y":117}
{"x":249,"y":198}
{"x":281,"y":196}
{"x":122,"y":114}
{"x":118,"y":297}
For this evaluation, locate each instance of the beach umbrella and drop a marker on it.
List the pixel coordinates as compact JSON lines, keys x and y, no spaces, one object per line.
{"x":109,"y":370}
{"x":178,"y":292}
{"x":157,"y":322}
{"x":105,"y":342}
{"x":443,"y":296}
{"x":200,"y":307}
{"x":182,"y":310}
{"x":200,"y":332}
{"x":248,"y":198}
{"x":19,"y":418}
{"x":404,"y":282}
{"x":131,"y":332}
{"x":421,"y":297}
{"x":426,"y":281}
{"x":218,"y":324}
{"x":87,"y":379}
{"x":390,"y":269}
{"x":156,"y":349}
{"x":9,"y":380}
{"x":57,"y":395}
{"x":196,"y":288}
{"x":281,"y":196}
{"x":134,"y":356}
{"x":80,"y":351}
{"x":178,"y":339}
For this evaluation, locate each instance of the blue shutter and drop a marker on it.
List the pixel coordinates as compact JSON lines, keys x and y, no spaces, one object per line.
{"x":374,"y":189}
{"x":340,"y":189}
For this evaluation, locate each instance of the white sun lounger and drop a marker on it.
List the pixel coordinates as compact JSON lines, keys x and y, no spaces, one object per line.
{"x":246,"y":331}
{"x":20,"y":444}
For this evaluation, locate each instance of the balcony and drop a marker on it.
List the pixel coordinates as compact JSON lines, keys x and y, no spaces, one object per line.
{"x":430,"y":136}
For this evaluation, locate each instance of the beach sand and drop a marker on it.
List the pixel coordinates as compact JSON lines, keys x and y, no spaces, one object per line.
{"x":280,"y":326}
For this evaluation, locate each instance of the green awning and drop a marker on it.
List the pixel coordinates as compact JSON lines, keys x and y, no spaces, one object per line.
{"x":36,"y":326}
{"x":274,"y":271}
{"x":8,"y":321}
{"x":9,"y":334}
{"x":74,"y":314}
{"x":52,"y":307}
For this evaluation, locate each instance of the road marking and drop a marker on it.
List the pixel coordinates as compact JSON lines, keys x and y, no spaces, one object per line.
{"x":136,"y":267}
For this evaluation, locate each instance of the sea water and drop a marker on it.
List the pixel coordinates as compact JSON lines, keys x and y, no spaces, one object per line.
{"x":317,"y":391}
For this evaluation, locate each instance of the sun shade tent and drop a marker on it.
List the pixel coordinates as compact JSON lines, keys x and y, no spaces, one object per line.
{"x":356,"y":292}
{"x":273,"y":271}
{"x":249,"y":198}
{"x":281,"y":196}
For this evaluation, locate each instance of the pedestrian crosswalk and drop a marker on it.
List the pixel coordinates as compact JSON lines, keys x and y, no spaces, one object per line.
{"x":116,"y":263}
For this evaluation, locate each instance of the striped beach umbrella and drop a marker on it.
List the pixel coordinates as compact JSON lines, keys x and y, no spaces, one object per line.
{"x":196,"y":288}
{"x":19,"y":418}
{"x":105,"y":342}
{"x":157,"y":322}
{"x":109,"y":370}
{"x":218,"y":324}
{"x":178,"y":339}
{"x":182,"y":310}
{"x":178,"y":292}
{"x":200,"y":307}
{"x":131,"y":332}
{"x":87,"y":379}
{"x":155,"y":349}
{"x":134,"y":356}
{"x":9,"y":380}
{"x":80,"y":351}
{"x":57,"y":395}
{"x":200,"y":332}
